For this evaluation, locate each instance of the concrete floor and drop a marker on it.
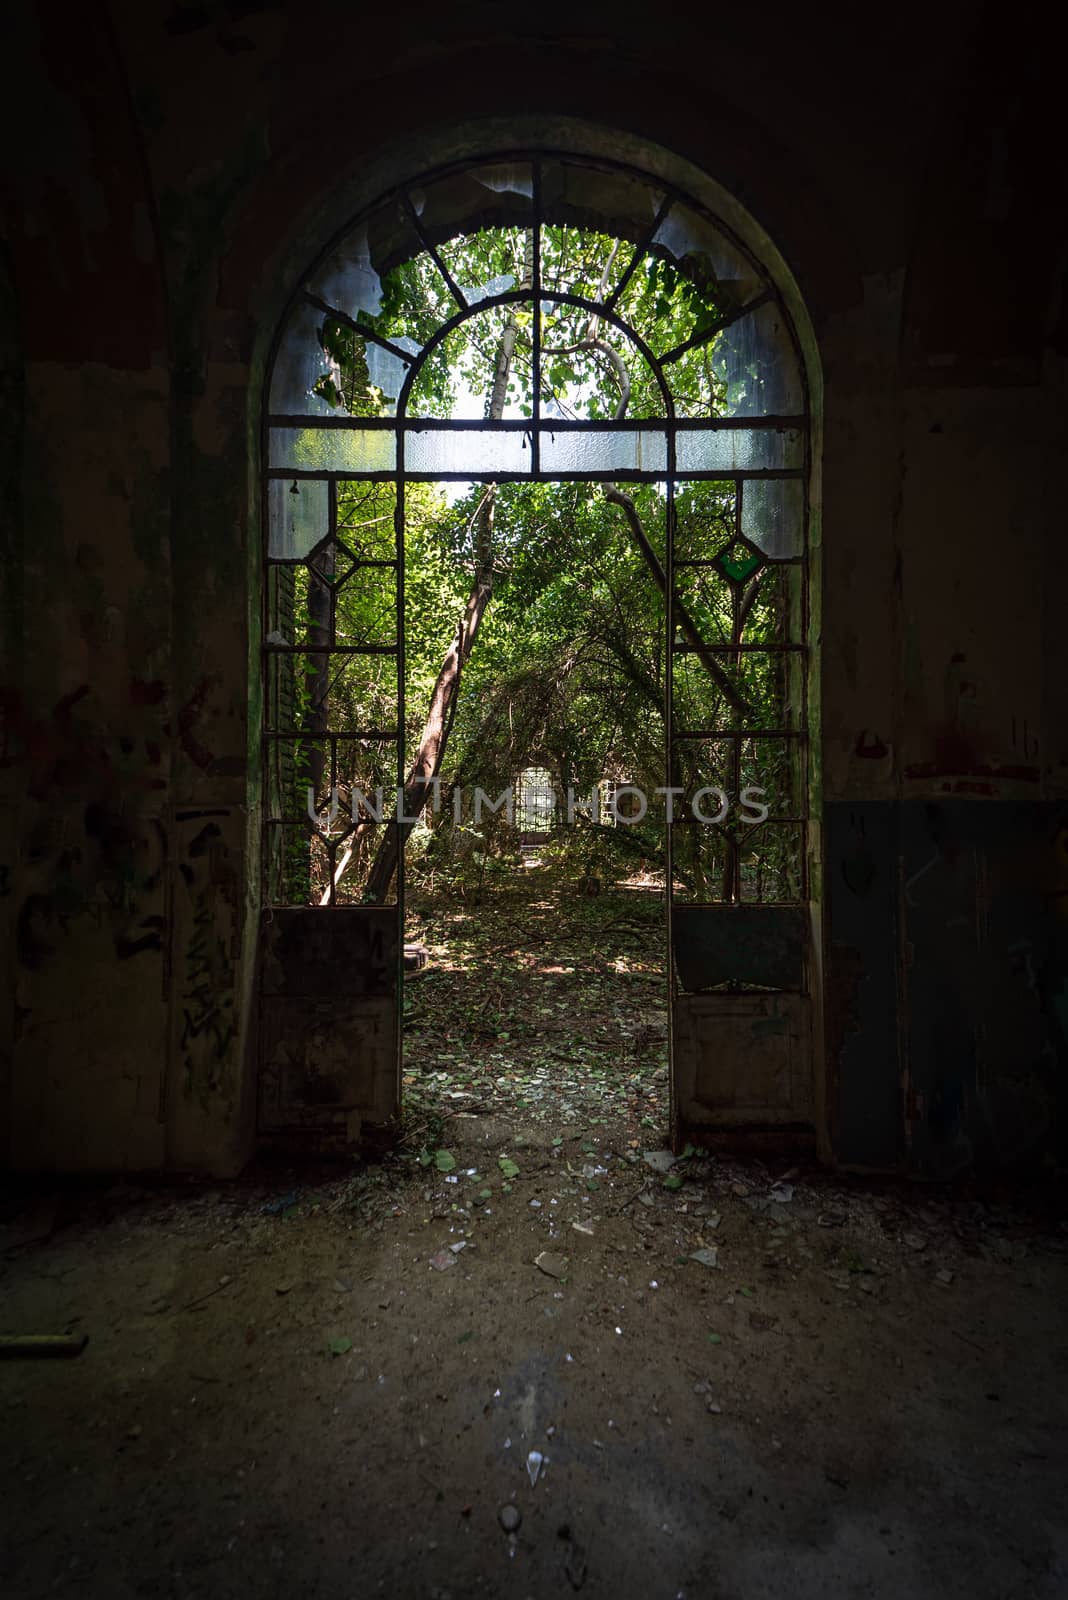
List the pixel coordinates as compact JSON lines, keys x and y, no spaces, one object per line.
{"x":866,"y":1396}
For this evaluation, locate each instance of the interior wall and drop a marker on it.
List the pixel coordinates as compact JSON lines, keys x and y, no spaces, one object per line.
{"x":186,"y":160}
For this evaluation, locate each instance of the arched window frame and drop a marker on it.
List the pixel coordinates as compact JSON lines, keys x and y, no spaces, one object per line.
{"x":684,"y":437}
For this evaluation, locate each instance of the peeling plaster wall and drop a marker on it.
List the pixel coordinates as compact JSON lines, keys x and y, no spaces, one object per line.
{"x":185,"y":163}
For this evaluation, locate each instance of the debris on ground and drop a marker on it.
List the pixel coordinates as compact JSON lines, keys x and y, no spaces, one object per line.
{"x":832,"y":1292}
{"x":35,"y":1346}
{"x":575,"y":1563}
{"x":553,"y":1265}
{"x":708,"y":1257}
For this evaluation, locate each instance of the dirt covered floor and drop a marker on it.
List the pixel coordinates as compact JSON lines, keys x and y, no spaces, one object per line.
{"x":529,"y":1353}
{"x":539,"y":1003}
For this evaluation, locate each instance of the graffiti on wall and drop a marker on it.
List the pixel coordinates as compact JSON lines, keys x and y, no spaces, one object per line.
{"x":208,"y":951}
{"x":95,"y":846}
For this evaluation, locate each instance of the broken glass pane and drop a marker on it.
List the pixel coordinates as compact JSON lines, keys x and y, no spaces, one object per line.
{"x":488,"y":262}
{"x":348,"y":279}
{"x":383,"y":279}
{"x":388,"y":371}
{"x":301,"y":364}
{"x":506,"y":177}
{"x":593,"y":221}
{"x":586,"y":200}
{"x":485,"y":291}
{"x":689,"y":280}
{"x":298,"y":517}
{"x":496,"y":196}
{"x":584,"y":263}
{"x":757,"y":361}
{"x":697,"y":390}
{"x":387,"y":241}
{"x":719,"y":271}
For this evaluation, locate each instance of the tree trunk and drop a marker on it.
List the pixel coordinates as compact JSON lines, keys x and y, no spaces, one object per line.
{"x":435,"y":734}
{"x":317,"y":666}
{"x":432,"y":742}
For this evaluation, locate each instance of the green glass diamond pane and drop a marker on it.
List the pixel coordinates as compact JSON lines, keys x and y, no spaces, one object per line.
{"x":738,"y":561}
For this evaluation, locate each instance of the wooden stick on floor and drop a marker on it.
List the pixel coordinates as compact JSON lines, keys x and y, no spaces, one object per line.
{"x":29,"y":1345}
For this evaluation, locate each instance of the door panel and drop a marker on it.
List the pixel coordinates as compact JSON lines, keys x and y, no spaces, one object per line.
{"x":740,"y":925}
{"x":742,"y":1061}
{"x":329,"y":961}
{"x":758,"y":946}
{"x":329,"y":1039}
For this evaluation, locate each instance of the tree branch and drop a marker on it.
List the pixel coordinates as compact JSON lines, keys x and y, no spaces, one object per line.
{"x":686,"y":624}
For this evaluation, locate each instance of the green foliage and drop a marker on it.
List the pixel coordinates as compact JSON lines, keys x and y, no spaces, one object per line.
{"x":569,"y":669}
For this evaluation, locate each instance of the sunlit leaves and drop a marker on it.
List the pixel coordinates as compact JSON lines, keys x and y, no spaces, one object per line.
{"x":664,"y":302}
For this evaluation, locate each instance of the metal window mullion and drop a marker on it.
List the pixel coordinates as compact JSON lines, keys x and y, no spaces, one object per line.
{"x":535,"y":336}
{"x":399,"y":513}
{"x":424,"y":239}
{"x":336,"y":650}
{"x":640,"y":249}
{"x":343,"y":735}
{"x":331,"y":845}
{"x":696,"y":340}
{"x":331,"y":545}
{"x":518,"y":296}
{"x":770,"y":563}
{"x":760,"y":648}
{"x":767,"y":423}
{"x":337,"y":315}
{"x":692,"y":735}
{"x":269,"y":756}
{"x":736,"y":789}
{"x":669,"y":753}
{"x":669,"y":748}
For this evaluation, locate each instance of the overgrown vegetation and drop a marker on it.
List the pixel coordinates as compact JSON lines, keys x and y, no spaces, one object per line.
{"x":534,"y":613}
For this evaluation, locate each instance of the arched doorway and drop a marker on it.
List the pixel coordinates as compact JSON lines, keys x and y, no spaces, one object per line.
{"x":694,"y":419}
